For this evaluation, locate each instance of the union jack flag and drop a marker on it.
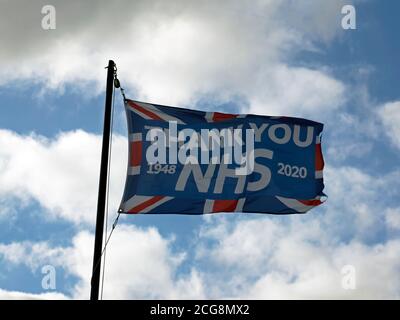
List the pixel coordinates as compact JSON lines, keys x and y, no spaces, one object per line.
{"x":287,"y":177}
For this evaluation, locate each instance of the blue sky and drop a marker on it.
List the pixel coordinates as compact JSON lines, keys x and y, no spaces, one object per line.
{"x":284,"y":59}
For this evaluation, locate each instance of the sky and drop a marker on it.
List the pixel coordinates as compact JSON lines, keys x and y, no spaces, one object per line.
{"x":290,"y":58}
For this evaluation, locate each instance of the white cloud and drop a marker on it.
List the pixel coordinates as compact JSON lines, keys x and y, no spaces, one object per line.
{"x":255,"y":258}
{"x":241,"y":244}
{"x":292,"y":91}
{"x":390,"y":115}
{"x":317,"y":275}
{"x":17,"y":295}
{"x":392,"y":217}
{"x":342,"y":151}
{"x":140,"y":265}
{"x":298,"y":256}
{"x":61,"y":173}
{"x":355,"y":208}
{"x":297,"y":260}
{"x":302,"y":256}
{"x":178,"y":52}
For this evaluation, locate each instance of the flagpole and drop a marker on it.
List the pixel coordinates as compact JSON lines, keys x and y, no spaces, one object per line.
{"x":101,"y":201}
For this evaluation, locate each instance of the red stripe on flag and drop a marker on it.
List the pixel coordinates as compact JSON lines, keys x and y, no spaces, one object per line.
{"x":136,"y":153}
{"x":145,"y":111}
{"x":311,"y":202}
{"x":319,"y":160}
{"x":224,"y":205}
{"x":218,"y":116}
{"x":145,"y":204}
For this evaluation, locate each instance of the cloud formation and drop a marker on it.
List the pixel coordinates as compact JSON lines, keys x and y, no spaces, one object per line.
{"x":179,"y":52}
{"x":17,"y":295}
{"x":298,"y":260}
{"x":61,"y":174}
{"x":140,"y":265}
{"x":390,"y":116}
{"x":260,"y":257}
{"x":256,"y":258}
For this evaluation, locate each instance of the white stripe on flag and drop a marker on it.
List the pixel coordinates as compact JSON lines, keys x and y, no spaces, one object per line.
{"x":208,"y":206}
{"x":240,"y":204}
{"x":158,"y":112}
{"x":209,"y":116}
{"x":294,"y":204}
{"x":145,"y":116}
{"x":154,"y":205}
{"x":135,"y":137}
{"x":319,"y":174}
{"x":132,"y":171}
{"x":133,"y":202}
{"x":137,"y":200}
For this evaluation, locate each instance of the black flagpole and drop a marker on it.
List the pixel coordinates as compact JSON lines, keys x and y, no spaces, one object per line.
{"x":101,"y":201}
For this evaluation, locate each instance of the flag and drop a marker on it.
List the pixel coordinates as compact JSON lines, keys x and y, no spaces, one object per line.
{"x":184,"y":161}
